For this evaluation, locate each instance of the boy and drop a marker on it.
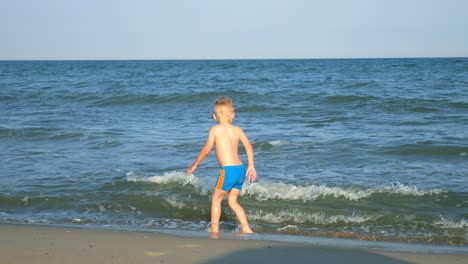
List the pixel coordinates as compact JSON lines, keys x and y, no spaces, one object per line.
{"x":226,"y":137}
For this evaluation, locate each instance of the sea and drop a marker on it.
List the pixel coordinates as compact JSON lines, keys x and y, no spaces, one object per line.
{"x":355,"y":149}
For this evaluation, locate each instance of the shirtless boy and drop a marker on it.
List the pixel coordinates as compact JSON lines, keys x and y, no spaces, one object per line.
{"x":226,"y":137}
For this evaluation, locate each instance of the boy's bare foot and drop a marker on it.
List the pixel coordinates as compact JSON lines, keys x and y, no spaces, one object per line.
{"x":214,"y":235}
{"x":246,"y":229}
{"x":214,"y":228}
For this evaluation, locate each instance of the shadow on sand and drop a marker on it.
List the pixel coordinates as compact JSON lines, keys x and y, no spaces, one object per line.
{"x":304,"y":254}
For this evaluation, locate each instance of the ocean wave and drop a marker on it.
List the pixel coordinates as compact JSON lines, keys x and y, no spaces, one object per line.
{"x":259,"y":108}
{"x":26,"y":132}
{"x":128,"y":100}
{"x":255,"y":80}
{"x":399,"y":188}
{"x":7,"y":98}
{"x":266,"y":145}
{"x":427,"y":149}
{"x":267,"y":190}
{"x":278,"y":142}
{"x":339,"y":99}
{"x":175,"y":203}
{"x":68,"y":135}
{"x":413,"y":105}
{"x":224,"y":65}
{"x":462,"y":105}
{"x":173,"y":177}
{"x":298,"y":217}
{"x":451,"y":224}
{"x":50,"y":133}
{"x":142,"y":99}
{"x":361,"y":84}
{"x":264,"y":190}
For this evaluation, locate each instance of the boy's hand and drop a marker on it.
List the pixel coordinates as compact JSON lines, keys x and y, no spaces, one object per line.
{"x":251,"y":174}
{"x":191,"y":169}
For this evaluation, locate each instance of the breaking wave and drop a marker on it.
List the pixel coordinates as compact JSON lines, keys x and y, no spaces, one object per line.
{"x":298,"y":217}
{"x":268,"y":190}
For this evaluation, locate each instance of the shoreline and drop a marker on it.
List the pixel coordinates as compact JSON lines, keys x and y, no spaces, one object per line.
{"x":53,"y":244}
{"x":384,"y":245}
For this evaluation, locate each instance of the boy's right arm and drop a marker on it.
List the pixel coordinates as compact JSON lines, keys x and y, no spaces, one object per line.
{"x":204,"y":152}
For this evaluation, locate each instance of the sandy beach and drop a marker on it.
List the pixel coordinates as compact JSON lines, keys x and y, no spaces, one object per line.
{"x":37,"y":244}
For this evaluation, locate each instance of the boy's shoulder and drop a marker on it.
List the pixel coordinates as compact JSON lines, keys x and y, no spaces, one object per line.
{"x":220,"y":127}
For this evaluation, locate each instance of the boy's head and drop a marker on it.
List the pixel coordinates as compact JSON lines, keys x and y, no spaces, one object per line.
{"x":223,"y":109}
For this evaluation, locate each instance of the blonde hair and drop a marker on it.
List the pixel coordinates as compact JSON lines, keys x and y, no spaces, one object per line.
{"x":224,"y":101}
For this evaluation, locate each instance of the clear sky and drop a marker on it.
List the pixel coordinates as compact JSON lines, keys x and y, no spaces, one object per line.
{"x":232,"y":29}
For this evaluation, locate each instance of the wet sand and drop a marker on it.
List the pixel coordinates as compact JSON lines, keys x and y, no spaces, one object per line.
{"x":38,"y":244}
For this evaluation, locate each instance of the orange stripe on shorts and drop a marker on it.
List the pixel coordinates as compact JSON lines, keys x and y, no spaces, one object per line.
{"x":220,"y":180}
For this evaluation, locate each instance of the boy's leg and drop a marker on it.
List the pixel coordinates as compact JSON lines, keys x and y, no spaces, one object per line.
{"x":238,"y":210}
{"x":216,"y":200}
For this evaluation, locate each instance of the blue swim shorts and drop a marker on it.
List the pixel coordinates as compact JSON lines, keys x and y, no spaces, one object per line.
{"x":231,"y":177}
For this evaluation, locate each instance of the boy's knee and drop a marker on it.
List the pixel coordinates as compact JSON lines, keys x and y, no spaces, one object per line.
{"x":232,"y":203}
{"x":216,"y":201}
{"x":217,"y":198}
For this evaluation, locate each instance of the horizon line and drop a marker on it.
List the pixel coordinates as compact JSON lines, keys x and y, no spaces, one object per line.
{"x":245,"y":59}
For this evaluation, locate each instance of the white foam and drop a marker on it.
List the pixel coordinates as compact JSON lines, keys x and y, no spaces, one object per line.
{"x":174,"y":177}
{"x":266,"y":190}
{"x":298,"y":217}
{"x":409,"y":190}
{"x":288,"y":227}
{"x":275,"y":143}
{"x":174,"y":203}
{"x":451,"y":224}
{"x":25,"y":200}
{"x":101,"y":208}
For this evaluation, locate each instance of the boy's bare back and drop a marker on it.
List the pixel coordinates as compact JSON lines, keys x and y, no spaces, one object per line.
{"x":226,"y":139}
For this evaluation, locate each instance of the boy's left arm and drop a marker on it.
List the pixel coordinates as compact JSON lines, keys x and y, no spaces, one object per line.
{"x":251,"y":172}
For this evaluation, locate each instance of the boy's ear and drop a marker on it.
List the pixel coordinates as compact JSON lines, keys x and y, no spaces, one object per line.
{"x":214,"y":117}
